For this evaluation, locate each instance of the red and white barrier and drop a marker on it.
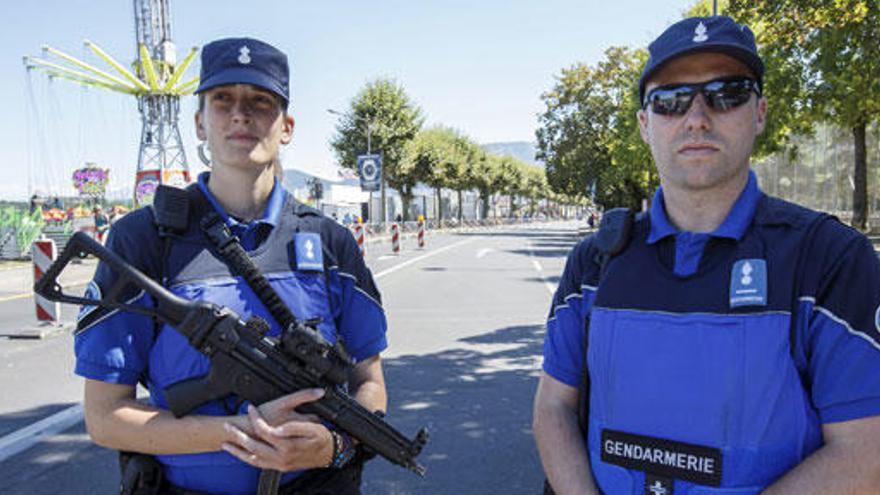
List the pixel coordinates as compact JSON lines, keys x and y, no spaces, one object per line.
{"x":43,"y":253}
{"x":421,"y":234}
{"x":359,"y":235}
{"x":395,"y":238}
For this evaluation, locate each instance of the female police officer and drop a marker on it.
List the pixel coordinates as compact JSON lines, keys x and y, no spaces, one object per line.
{"x":243,"y":121}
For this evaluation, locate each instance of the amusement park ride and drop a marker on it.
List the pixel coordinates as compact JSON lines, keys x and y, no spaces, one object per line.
{"x":156,"y":81}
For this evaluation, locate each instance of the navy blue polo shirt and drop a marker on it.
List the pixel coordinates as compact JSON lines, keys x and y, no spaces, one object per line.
{"x":253,"y":233}
{"x":689,"y":246}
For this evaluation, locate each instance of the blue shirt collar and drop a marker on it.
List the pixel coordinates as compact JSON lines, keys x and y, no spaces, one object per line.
{"x":270,"y":215}
{"x":733,"y":227}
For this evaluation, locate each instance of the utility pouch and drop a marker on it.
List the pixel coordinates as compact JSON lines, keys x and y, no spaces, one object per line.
{"x":141,"y":474}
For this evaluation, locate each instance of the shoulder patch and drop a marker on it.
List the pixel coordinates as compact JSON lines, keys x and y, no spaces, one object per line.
{"x":748,"y":283}
{"x":309,"y":251}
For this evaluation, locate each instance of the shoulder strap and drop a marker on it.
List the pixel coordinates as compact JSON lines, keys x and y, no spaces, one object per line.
{"x":615,"y":231}
{"x":234,"y":255}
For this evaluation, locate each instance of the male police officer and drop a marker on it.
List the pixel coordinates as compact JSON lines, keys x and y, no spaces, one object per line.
{"x":311,"y":261}
{"x":698,"y":381}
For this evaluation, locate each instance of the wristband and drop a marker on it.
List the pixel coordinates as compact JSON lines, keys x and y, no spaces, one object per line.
{"x":343,"y":450}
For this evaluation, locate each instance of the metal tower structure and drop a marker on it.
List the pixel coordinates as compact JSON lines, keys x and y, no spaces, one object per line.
{"x":156,"y":83}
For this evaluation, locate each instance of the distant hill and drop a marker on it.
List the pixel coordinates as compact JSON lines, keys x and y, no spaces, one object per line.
{"x":521,"y":150}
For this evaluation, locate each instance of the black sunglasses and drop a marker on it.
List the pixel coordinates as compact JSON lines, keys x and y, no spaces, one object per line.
{"x":720,"y":94}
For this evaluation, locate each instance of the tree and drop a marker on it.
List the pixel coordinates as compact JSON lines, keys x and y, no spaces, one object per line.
{"x":834,"y":45}
{"x":588,"y":136}
{"x":424,"y":156}
{"x":509,"y":179}
{"x":394,"y":120}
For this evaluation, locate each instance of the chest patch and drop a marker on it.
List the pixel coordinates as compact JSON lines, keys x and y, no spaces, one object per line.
{"x":309,"y":255}
{"x":748,"y":283}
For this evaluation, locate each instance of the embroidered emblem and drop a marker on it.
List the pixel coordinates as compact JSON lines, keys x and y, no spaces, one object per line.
{"x":310,"y":249}
{"x":700,"y":33}
{"x":309,"y":256}
{"x":657,"y":486}
{"x":748,"y":283}
{"x":244,"y":56}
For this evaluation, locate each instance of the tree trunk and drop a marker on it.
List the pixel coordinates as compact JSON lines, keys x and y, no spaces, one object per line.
{"x":439,"y":207}
{"x":406,"y":197}
{"x":460,"y":208}
{"x":484,"y":206}
{"x":512,"y":212}
{"x":860,"y":179}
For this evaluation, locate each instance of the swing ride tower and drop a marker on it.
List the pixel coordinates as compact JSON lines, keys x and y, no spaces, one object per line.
{"x":156,"y":81}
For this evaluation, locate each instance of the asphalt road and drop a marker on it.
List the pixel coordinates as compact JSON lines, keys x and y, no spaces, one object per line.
{"x":465,"y":330}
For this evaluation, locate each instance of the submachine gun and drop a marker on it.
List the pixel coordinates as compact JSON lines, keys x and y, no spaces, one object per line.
{"x":244,"y":361}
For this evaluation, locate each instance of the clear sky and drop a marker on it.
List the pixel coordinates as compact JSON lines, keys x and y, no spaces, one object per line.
{"x":479,"y":66}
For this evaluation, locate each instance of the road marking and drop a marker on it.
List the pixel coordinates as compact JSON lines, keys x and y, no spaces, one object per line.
{"x":484,"y":252}
{"x":29,"y":436}
{"x":540,"y":269}
{"x":30,"y":294}
{"x":420,"y":258}
{"x":26,"y":437}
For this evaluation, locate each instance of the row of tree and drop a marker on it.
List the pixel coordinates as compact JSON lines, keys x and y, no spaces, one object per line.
{"x":383,"y":117}
{"x":823,"y":67}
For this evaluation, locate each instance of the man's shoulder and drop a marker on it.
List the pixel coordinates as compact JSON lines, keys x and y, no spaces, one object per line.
{"x":827,"y":234}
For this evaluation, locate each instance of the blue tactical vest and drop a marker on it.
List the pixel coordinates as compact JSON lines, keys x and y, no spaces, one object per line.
{"x":315,"y":279}
{"x":691,"y":392}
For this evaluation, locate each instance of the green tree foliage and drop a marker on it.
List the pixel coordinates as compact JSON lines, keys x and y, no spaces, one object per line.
{"x":832,"y":47}
{"x":589,"y":132}
{"x":428,"y":155}
{"x":444,"y":158}
{"x":394,"y":119}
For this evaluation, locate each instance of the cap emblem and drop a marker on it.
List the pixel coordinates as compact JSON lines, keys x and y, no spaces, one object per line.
{"x":700,"y":33}
{"x":244,"y":55}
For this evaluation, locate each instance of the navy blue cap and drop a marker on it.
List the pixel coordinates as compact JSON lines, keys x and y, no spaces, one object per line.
{"x":719,"y":34}
{"x":245,"y":61}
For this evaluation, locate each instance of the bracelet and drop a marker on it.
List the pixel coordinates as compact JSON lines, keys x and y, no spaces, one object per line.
{"x":337,"y":441}
{"x":343,"y":450}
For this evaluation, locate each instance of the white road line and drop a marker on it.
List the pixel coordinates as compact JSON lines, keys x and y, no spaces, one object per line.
{"x":540,"y":269}
{"x":26,"y":437}
{"x":420,"y":258}
{"x":484,"y":252}
{"x":23,"y":295}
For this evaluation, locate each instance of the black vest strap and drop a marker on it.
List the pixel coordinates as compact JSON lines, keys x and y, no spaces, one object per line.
{"x":235,"y":256}
{"x":612,"y":237}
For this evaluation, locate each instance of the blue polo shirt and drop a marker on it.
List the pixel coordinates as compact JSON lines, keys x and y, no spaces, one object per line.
{"x":253,"y":233}
{"x":745,"y":340}
{"x":689,"y":246}
{"x":312,"y":262}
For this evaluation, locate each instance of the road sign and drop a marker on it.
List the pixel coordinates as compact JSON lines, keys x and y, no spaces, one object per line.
{"x":370,"y":171}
